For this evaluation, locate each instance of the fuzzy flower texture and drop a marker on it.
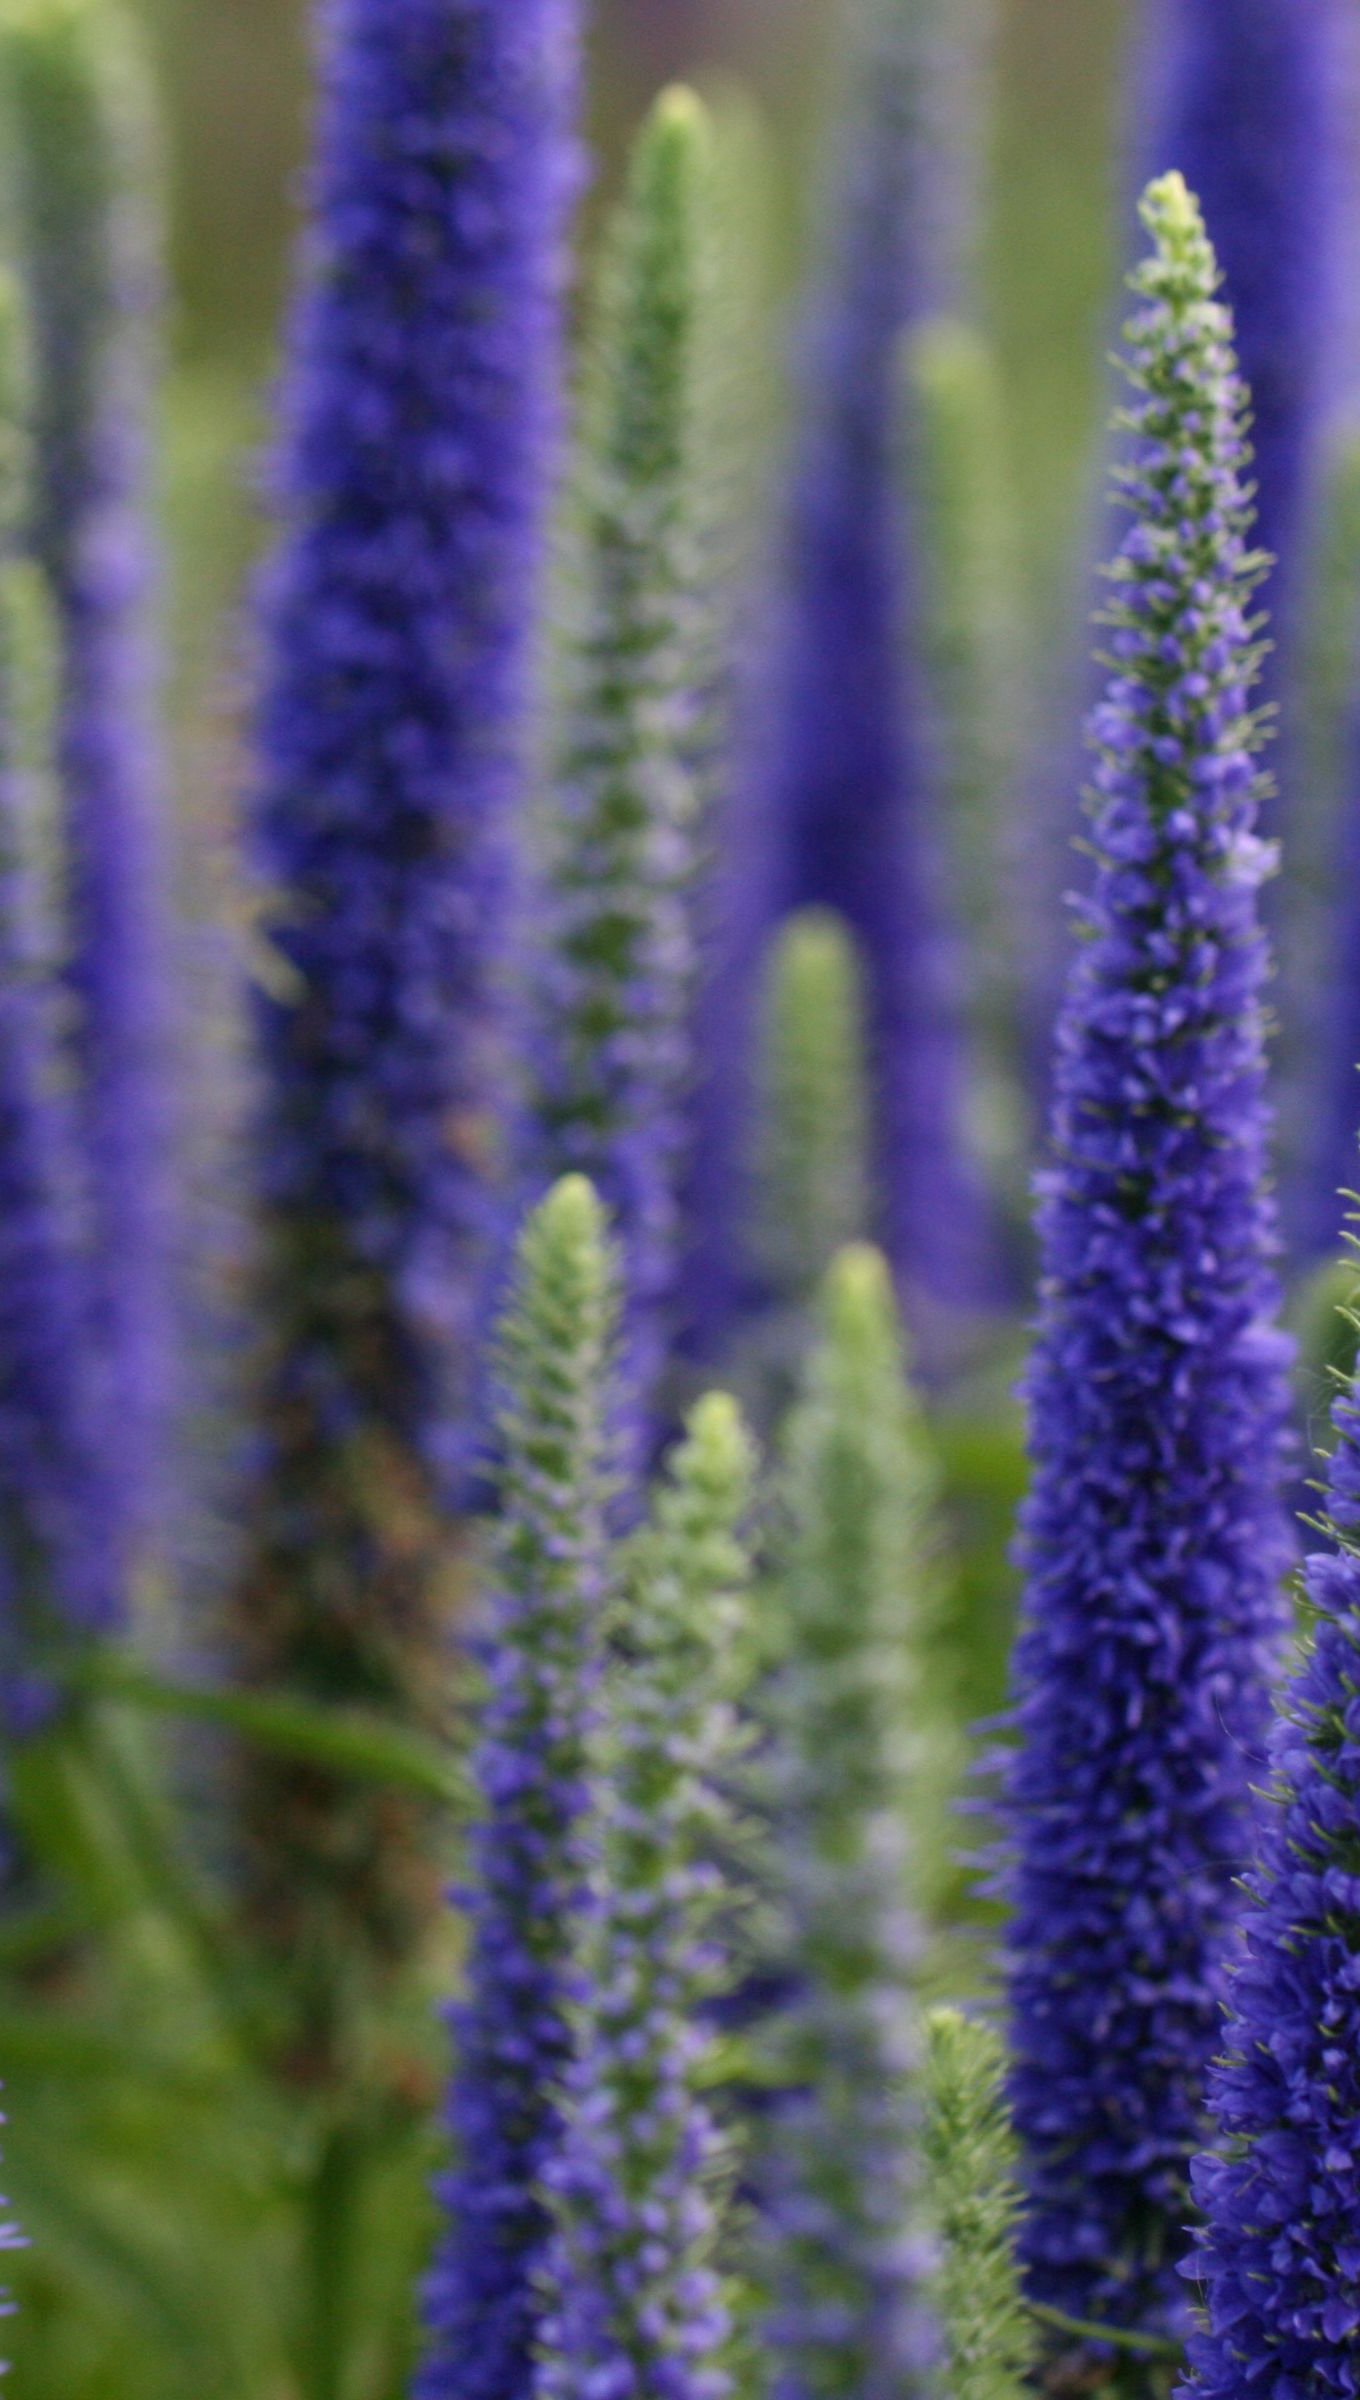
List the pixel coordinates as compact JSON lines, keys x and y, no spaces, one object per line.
{"x":1280,"y":2262}
{"x":530,"y":1857}
{"x":1154,"y":1543}
{"x":636,"y":2306}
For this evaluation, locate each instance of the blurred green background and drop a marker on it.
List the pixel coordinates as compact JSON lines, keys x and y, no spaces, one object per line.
{"x":235,"y":75}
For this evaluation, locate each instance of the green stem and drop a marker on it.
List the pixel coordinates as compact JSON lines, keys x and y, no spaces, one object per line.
{"x":1112,"y":2337}
{"x":330,"y":2240}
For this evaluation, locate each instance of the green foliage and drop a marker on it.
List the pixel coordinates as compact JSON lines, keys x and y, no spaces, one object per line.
{"x":814,"y":1167}
{"x":974,"y":2201}
{"x":171,"y":2187}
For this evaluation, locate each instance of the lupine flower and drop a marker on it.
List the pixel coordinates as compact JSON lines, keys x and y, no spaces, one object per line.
{"x":607,"y":1048}
{"x":542,"y":1650}
{"x":838,"y":2169}
{"x":1154,"y":1544}
{"x":860,"y":827}
{"x":54,"y":1567}
{"x":634,"y":2296}
{"x":1279,"y":2261}
{"x":974,"y":2204}
{"x":400,"y":626}
{"x":88,"y":184}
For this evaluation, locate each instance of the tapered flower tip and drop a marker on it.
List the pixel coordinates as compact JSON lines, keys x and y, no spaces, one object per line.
{"x":858,"y":1298}
{"x":672,"y":150}
{"x":815,"y":961}
{"x":1175,"y":220}
{"x":572,"y":1216}
{"x":720,"y":1445}
{"x":678,"y":117}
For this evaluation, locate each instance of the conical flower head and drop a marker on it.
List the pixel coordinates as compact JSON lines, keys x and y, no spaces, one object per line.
{"x":1279,"y":2264}
{"x":1154,"y":1544}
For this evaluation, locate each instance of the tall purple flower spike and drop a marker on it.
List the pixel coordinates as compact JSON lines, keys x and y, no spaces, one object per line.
{"x":1154,"y":1544}
{"x":840,"y":805}
{"x":400,"y":628}
{"x":87,"y":167}
{"x":543,"y":1651}
{"x":56,"y":1576}
{"x":1279,"y":2261}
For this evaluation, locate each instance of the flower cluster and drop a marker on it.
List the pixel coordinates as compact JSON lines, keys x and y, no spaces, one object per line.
{"x":543,"y":1652}
{"x":54,"y":1567}
{"x":1154,"y":1545}
{"x":393,"y":742}
{"x":1279,"y":2264}
{"x":635,"y":2303}
{"x":88,"y":183}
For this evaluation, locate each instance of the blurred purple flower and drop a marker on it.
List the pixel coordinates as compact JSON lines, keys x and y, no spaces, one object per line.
{"x":400,"y":630}
{"x":841,"y":805}
{"x":1154,"y":1543}
{"x":56,"y":1572}
{"x":88,"y":172}
{"x":543,"y":1653}
{"x":1279,"y":2262}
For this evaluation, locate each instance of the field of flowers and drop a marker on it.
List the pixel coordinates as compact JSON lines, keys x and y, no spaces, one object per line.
{"x":679,"y":1018}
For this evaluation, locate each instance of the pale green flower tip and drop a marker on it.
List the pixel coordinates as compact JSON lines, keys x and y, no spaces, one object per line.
{"x":674,"y":149}
{"x":944,"y":355}
{"x":679,"y":115}
{"x":573,"y":1214}
{"x":720,"y":1436}
{"x":1172,"y":214}
{"x":859,"y":1292}
{"x":816,"y":951}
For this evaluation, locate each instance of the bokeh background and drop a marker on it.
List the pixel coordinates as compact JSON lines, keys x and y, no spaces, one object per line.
{"x":1057,"y":217}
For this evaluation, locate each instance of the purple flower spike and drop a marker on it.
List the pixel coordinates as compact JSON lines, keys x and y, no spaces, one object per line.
{"x":400,"y":629}
{"x":87,"y":167}
{"x":855,"y":804}
{"x":636,"y":2305}
{"x":1154,"y":1543}
{"x":1279,"y":2263}
{"x":543,"y":1654}
{"x":56,"y":1576}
